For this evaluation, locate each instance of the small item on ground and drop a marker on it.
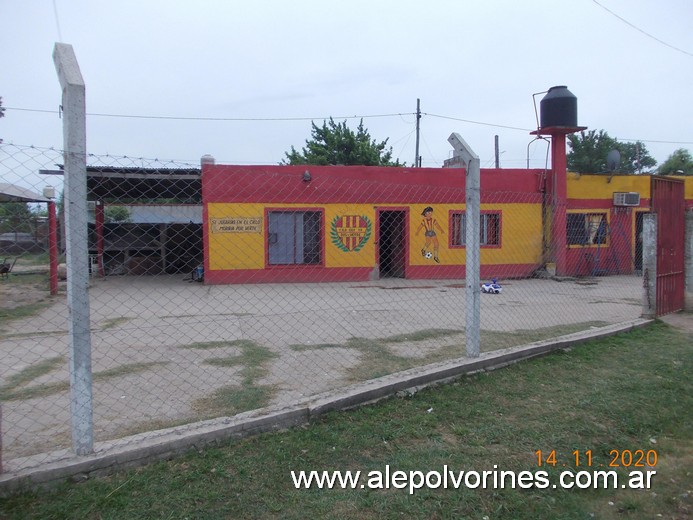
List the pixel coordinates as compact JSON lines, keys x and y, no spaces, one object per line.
{"x":492,"y":288}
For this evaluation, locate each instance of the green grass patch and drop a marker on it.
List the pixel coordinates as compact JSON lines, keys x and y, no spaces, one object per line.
{"x":206,"y":345}
{"x":33,"y":283}
{"x":126,"y":370}
{"x":626,"y":392}
{"x":18,"y":390}
{"x":179,"y":316}
{"x":29,"y":374}
{"x":421,"y":335}
{"x":37,"y":259}
{"x":32,"y":334}
{"x":234,"y":399}
{"x":22,"y":311}
{"x":378,"y":359}
{"x":40,"y":280}
{"x":114,"y":322}
{"x":495,"y":340}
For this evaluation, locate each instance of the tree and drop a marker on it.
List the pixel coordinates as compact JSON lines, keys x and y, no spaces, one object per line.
{"x":635,"y":158}
{"x":336,"y":143}
{"x":116,"y":214}
{"x":15,"y":217}
{"x":588,"y":152}
{"x":679,"y":163}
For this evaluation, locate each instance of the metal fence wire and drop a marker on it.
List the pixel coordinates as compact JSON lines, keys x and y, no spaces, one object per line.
{"x":170,"y":346}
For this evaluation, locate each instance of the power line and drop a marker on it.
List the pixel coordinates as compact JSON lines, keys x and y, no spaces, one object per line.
{"x":57,"y":21}
{"x":641,"y":31}
{"x":653,"y":141}
{"x":479,"y":122}
{"x":240,"y":119}
{"x":284,"y":119}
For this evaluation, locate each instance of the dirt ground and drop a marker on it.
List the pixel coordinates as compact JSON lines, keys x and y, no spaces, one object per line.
{"x":13,"y":296}
{"x":164,"y":342}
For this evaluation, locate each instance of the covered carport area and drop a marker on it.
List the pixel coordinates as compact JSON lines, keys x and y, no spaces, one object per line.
{"x":10,"y":193}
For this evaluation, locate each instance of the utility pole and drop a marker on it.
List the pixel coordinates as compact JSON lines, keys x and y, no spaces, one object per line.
{"x":417,"y":159}
{"x":497,"y":154}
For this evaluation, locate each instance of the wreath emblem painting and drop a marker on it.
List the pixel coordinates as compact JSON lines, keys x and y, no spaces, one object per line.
{"x":350,"y":232}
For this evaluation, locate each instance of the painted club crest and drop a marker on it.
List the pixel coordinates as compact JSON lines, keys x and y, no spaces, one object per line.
{"x":350,"y":232}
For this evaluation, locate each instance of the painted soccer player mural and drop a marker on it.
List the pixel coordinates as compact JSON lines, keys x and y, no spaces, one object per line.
{"x":430,"y":225}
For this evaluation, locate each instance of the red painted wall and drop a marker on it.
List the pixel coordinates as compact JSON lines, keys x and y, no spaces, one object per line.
{"x":358,"y":184}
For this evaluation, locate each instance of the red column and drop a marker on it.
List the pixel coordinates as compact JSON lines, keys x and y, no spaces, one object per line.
{"x":53,"y":247}
{"x":559,"y":203}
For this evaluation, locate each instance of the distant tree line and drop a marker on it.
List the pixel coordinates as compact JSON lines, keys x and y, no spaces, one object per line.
{"x":589,"y":150}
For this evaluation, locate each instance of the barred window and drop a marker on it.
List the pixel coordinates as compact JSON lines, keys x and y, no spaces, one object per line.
{"x":489,"y":229}
{"x":295,"y":237}
{"x":586,"y":228}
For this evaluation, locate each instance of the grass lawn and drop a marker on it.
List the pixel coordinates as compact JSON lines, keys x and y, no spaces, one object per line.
{"x":626,"y":393}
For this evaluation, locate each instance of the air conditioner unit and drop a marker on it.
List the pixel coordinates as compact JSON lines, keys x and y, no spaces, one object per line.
{"x":627,"y":198}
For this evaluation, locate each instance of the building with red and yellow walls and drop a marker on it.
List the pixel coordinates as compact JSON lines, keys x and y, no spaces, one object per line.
{"x":358,"y":223}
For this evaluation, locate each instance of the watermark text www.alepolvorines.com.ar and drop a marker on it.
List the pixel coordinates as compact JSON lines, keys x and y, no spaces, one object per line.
{"x":447,"y":478}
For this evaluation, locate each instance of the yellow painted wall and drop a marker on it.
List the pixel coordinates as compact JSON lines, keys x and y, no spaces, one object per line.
{"x":688,"y":180}
{"x":520,"y":235}
{"x":603,"y":186}
{"x":235,"y":250}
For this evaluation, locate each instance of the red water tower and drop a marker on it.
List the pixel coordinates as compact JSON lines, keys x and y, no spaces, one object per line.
{"x":558,"y":118}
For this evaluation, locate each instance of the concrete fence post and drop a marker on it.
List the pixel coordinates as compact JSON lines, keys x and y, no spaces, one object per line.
{"x":473,"y":255}
{"x":649,"y":266}
{"x":76,"y":241}
{"x":472,"y":243}
{"x":688,"y":262}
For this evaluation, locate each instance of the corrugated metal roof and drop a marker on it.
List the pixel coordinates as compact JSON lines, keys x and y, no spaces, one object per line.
{"x":14,"y":193}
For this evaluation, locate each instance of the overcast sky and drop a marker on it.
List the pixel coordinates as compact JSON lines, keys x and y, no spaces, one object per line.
{"x":263,"y":69}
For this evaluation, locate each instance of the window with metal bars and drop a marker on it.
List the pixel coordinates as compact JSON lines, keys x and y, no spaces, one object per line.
{"x":294,"y":237}
{"x":586,"y":229}
{"x":489,"y":229}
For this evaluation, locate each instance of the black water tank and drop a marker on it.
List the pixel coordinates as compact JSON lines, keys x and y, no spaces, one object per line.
{"x":558,"y":108}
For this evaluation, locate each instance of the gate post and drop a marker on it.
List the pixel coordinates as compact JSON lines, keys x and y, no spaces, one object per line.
{"x":688,"y":262}
{"x":649,"y":266}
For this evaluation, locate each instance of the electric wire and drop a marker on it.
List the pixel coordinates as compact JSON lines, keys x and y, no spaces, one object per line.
{"x":641,"y":31}
{"x":285,"y":119}
{"x":198,"y":118}
{"x":57,"y":21}
{"x":478,"y":122}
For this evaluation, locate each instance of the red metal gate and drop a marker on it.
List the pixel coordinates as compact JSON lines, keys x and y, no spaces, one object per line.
{"x":668,"y":202}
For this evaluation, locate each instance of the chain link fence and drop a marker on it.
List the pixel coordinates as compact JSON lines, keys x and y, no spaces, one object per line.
{"x":171,"y":344}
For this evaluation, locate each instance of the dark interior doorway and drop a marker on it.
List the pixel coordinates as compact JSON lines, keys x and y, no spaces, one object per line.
{"x":637,"y":264}
{"x":392,"y":243}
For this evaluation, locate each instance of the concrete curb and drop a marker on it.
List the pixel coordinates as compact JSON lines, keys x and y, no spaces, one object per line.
{"x":49,"y":469}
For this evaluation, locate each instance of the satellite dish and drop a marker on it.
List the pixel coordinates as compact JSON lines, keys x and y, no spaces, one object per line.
{"x":613,"y":160}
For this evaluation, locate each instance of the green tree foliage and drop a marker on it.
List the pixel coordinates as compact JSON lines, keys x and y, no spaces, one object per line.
{"x":335,"y":143}
{"x":679,"y":163}
{"x":16,"y":217}
{"x":118,"y":214}
{"x":588,"y":152}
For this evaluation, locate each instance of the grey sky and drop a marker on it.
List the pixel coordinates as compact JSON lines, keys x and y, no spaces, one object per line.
{"x":271,"y":60}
